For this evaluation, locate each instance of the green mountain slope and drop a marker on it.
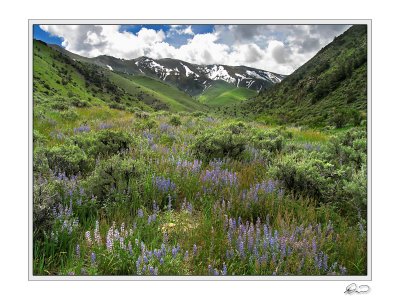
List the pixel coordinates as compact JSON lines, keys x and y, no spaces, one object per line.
{"x":331,"y":88}
{"x":62,"y":76}
{"x":171,"y":95}
{"x":222,"y":93}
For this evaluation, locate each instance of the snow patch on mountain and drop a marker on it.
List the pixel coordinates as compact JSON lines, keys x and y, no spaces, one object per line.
{"x":255,"y":75}
{"x":219,"y":73}
{"x":273,"y":77}
{"x":188,"y":71}
{"x":110,"y":68}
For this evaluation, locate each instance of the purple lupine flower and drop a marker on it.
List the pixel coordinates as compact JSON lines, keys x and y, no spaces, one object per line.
{"x":88,"y":237}
{"x":165,"y":127}
{"x":241,"y":247}
{"x":155,"y":207}
{"x":283,"y":247}
{"x":265,"y":243}
{"x":158,"y":254}
{"x":255,"y":251}
{"x":186,"y":257}
{"x":216,"y":273}
{"x":97,"y":236}
{"x":308,"y":146}
{"x":314,"y":246}
{"x":130,"y":248}
{"x":163,"y":249}
{"x":219,"y":177}
{"x":93,"y":258}
{"x":228,"y":254}
{"x":325,"y":262}
{"x":189,"y":167}
{"x":142,"y":247}
{"x":174,"y":252}
{"x":140,"y":213}
{"x":151,"y":271}
{"x":318,"y":260}
{"x":122,"y":242}
{"x":164,"y":185}
{"x":110,"y":239}
{"x":194,"y":250}
{"x":82,"y":128}
{"x":78,"y":251}
{"x":189,"y":207}
{"x":104,"y":126}
{"x":329,"y":228}
{"x":151,"y":218}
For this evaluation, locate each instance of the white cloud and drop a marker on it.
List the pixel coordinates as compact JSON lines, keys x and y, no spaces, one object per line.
{"x":180,"y":30}
{"x":276,"y":48}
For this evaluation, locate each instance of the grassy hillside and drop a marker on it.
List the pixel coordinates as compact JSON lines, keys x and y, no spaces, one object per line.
{"x":222,"y":93}
{"x":58,"y":74}
{"x":175,"y":98}
{"x":331,"y":88}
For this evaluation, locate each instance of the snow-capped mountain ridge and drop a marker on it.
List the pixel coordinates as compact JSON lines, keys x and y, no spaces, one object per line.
{"x":212,"y":72}
{"x":188,"y":77}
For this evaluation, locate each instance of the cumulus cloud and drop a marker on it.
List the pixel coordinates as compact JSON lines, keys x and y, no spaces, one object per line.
{"x":180,"y":30}
{"x":276,"y":48}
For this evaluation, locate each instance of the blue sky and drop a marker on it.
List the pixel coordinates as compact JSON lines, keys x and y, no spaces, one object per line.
{"x":177,"y":40}
{"x":44,"y":36}
{"x":277,"y":48}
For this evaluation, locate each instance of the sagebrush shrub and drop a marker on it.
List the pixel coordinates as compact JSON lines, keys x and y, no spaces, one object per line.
{"x":271,"y":141}
{"x":75,"y":101}
{"x":104,"y":142}
{"x":311,"y":177}
{"x":69,"y":115}
{"x":349,"y":148}
{"x":111,"y":175}
{"x":69,"y":159}
{"x":227,"y":141}
{"x":175,"y":121}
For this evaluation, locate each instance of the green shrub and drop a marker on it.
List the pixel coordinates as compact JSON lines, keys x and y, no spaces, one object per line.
{"x":175,"y":121}
{"x":149,"y":124}
{"x":271,"y":141}
{"x":198,"y":114}
{"x":349,"y":148}
{"x":310,"y":177}
{"x":118,"y":106}
{"x":68,"y":158}
{"x":236,"y":127}
{"x":355,"y":191}
{"x":40,"y":163}
{"x":340,"y":118}
{"x":69,"y":115}
{"x":142,"y":115}
{"x":59,"y":105}
{"x":104,"y":142}
{"x":111,"y":175}
{"x":227,"y":141}
{"x":75,"y":101}
{"x":38,"y":138}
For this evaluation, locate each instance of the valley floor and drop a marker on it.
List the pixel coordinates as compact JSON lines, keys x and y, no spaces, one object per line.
{"x":122,"y":193}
